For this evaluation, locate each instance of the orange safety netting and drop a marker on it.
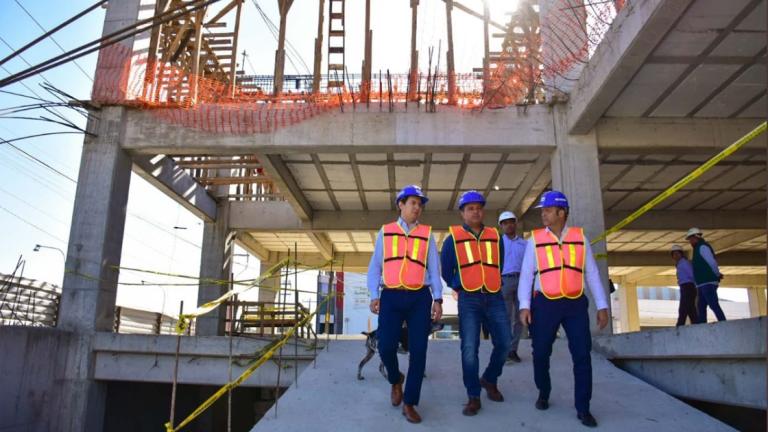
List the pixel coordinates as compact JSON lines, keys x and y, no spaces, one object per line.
{"x":532,"y":54}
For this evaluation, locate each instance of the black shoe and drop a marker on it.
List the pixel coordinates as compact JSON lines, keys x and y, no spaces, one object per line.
{"x":513,"y":357}
{"x":587,"y":419}
{"x":542,"y":404}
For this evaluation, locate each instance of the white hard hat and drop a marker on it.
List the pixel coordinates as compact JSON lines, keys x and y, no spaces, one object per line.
{"x":506,"y":215}
{"x":692,"y":232}
{"x":676,"y":248}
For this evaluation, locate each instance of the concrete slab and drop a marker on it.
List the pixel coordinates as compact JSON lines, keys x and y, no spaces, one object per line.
{"x":330,"y":398}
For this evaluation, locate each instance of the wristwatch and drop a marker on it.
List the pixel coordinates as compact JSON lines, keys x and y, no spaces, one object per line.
{"x":438,"y":301}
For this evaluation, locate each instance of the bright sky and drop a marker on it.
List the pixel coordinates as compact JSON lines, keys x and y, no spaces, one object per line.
{"x":36,"y":202}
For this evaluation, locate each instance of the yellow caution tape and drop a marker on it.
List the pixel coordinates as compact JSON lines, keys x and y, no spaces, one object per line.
{"x":693,"y":175}
{"x":231,"y":385}
{"x":184,"y":318}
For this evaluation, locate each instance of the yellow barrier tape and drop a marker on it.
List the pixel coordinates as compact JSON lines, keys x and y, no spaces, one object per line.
{"x":183,"y":321}
{"x":231,"y":385}
{"x":693,"y":175}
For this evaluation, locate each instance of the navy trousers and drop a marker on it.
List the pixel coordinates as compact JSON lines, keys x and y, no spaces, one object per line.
{"x":478,"y":309}
{"x":415,"y":309}
{"x":547,"y":316}
{"x":708,"y":297}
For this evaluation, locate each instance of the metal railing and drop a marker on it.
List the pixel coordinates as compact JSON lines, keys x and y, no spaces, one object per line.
{"x":28,"y":302}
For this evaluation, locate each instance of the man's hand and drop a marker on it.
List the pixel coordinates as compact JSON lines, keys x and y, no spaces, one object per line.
{"x":525,"y":316}
{"x":602,"y":318}
{"x":437,"y":311}
{"x":721,"y":276}
{"x":375,"y":306}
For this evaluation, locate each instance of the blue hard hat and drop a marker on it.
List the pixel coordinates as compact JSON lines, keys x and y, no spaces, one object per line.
{"x":411,"y":190}
{"x":471,"y":196}
{"x":553,"y":198}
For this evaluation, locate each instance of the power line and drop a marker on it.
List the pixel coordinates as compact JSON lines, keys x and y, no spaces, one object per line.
{"x":52,"y":39}
{"x":32,"y":225}
{"x":39,"y":161}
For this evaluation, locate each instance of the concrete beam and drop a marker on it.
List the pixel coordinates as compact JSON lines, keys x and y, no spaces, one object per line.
{"x":645,"y":273}
{"x":163,"y":173}
{"x":450,"y":130}
{"x":726,"y":243}
{"x":203,"y":360}
{"x":278,"y":216}
{"x":245,"y":241}
{"x":675,"y":135}
{"x":349,"y":261}
{"x":322,"y":243}
{"x":631,"y":38}
{"x":282,"y":177}
{"x":644,"y":259}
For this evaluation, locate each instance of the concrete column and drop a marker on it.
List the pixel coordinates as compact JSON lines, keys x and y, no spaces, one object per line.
{"x":216,"y":264}
{"x":269,"y":287}
{"x":629,"y":313}
{"x":90,"y":283}
{"x":757,"y":301}
{"x":96,"y":236}
{"x":576,"y":172}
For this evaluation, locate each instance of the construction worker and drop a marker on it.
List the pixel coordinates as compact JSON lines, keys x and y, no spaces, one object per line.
{"x":557,"y":262}
{"x":687,"y":308}
{"x":405,"y":264}
{"x":471,"y":262}
{"x":706,"y":274}
{"x":514,"y":250}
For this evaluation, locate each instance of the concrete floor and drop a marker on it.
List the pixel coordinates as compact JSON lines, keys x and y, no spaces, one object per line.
{"x":330,"y":398}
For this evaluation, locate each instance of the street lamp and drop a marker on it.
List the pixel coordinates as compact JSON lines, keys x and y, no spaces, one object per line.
{"x":39,"y":246}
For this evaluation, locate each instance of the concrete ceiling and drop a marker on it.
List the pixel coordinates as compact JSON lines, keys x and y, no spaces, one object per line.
{"x":711,"y":63}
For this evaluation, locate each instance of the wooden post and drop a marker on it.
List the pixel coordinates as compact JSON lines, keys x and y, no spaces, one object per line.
{"x":233,"y":62}
{"x":452,"y":99}
{"x":318,"y":50}
{"x":195,"y":76}
{"x":365,"y":88}
{"x":284,"y":6}
{"x":486,"y":51}
{"x":414,"y":53}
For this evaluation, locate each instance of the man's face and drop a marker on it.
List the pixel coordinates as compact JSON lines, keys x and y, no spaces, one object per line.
{"x":410,"y":208}
{"x":473,"y":214}
{"x":509,"y":226}
{"x":693,"y":240}
{"x":676,"y":255}
{"x":551,"y":215}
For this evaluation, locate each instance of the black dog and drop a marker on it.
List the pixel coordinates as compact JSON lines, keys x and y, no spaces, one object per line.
{"x":372,"y":343}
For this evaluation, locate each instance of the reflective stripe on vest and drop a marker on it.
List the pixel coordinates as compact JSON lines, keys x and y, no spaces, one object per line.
{"x":478,"y":258}
{"x":405,"y":255}
{"x":560,"y":264}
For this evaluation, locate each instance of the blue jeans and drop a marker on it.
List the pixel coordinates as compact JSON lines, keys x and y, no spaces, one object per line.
{"x":708,"y":297}
{"x":415,"y":308}
{"x":547,"y":316}
{"x":475,"y":310}
{"x":509,"y":289}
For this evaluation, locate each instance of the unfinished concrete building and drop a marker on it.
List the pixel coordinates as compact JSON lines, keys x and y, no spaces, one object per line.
{"x":668,"y":84}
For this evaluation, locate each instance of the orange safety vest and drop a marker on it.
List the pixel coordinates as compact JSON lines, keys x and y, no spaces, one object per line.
{"x":478,"y":258}
{"x":560,"y":264}
{"x":405,"y":255}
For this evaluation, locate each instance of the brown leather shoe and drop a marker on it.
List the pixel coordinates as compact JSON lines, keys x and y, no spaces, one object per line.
{"x":493,"y":391}
{"x":409,"y":411}
{"x":472,"y":407}
{"x":397,"y":391}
